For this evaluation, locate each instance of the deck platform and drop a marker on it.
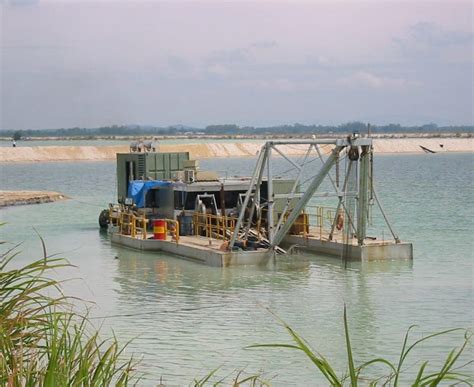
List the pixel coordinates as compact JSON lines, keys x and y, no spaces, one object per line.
{"x":372,"y":250}
{"x":198,"y":249}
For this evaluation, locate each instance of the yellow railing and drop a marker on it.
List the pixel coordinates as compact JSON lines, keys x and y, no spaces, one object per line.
{"x":301,"y":225}
{"x":131,"y":224}
{"x":135,"y":225}
{"x":114,"y":215}
{"x":172,"y":226}
{"x":139,"y":226}
{"x":213,"y":226}
{"x":314,"y":219}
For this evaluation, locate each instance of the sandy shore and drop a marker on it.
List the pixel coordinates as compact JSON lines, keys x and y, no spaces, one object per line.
{"x":222,"y":149}
{"x":15,"y":198}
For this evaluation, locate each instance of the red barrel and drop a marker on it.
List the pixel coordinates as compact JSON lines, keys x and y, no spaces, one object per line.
{"x":159,"y":229}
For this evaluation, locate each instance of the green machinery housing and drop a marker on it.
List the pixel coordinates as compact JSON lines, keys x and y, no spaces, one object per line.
{"x":147,"y":166}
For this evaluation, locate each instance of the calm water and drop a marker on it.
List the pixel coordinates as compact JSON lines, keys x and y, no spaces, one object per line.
{"x":188,"y":319}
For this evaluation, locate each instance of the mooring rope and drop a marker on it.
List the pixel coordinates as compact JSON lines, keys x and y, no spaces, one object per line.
{"x":88,"y":203}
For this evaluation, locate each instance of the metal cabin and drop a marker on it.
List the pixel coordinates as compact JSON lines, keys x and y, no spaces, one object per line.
{"x":147,"y":166}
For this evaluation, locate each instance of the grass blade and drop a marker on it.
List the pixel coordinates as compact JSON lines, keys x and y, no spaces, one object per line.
{"x":352,"y":371}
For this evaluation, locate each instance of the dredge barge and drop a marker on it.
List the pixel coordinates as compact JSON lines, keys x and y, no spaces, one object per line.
{"x":322,"y":203}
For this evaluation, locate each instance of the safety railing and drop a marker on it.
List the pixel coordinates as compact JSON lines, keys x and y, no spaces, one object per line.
{"x":114,"y":214}
{"x":315,"y":219}
{"x":213,"y":226}
{"x":140,"y":226}
{"x":172,"y":227}
{"x":132,"y":224}
{"x":301,"y":225}
{"x":135,"y":225}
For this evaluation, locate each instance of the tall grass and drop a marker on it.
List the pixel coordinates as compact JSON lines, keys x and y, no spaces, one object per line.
{"x":237,"y":381}
{"x":450,"y":372}
{"x":43,"y":340}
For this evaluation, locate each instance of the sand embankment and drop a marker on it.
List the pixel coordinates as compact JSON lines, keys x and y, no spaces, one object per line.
{"x":222,"y":149}
{"x":15,"y":198}
{"x":60,"y":153}
{"x":412,"y":145}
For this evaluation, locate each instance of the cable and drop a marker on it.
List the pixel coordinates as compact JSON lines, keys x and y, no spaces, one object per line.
{"x":87,"y":203}
{"x":293,"y":168}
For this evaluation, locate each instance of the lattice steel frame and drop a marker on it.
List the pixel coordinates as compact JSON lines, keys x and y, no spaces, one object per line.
{"x":276,"y":231}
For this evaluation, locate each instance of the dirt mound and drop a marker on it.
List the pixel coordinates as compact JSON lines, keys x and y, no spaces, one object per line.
{"x":15,"y":198}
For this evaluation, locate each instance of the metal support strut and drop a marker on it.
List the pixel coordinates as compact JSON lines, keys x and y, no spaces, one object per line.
{"x":261,"y":159}
{"x":280,"y":234}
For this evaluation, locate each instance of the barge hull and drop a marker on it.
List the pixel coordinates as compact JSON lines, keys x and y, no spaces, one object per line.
{"x":195,"y":248}
{"x":366,"y":253}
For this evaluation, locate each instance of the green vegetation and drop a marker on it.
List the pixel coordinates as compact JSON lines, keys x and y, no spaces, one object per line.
{"x":43,"y":341}
{"x":17,"y":135}
{"x":237,"y":381}
{"x":232,"y":130}
{"x":450,"y":371}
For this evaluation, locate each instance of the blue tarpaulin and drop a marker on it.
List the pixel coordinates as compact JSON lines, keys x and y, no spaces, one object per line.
{"x":137,"y":189}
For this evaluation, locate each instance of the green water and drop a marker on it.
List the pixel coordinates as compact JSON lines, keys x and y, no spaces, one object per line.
{"x":188,"y":319}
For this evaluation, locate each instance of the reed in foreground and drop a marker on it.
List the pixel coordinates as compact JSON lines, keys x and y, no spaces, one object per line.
{"x":43,"y":341}
{"x":450,"y":372}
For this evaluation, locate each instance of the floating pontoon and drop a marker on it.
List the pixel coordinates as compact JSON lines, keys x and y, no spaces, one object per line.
{"x":166,"y":203}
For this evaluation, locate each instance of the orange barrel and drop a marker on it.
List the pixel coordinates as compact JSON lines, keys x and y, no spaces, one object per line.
{"x":159,"y":229}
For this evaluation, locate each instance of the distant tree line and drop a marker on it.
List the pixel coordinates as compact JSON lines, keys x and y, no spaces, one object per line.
{"x":232,"y":130}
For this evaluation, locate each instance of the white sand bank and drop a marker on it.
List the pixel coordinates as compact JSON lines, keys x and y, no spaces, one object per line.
{"x":211,"y":150}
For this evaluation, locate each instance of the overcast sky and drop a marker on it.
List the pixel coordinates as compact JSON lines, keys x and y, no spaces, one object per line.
{"x":95,"y":63}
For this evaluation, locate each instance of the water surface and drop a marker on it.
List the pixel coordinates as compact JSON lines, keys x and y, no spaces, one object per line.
{"x":188,"y":319}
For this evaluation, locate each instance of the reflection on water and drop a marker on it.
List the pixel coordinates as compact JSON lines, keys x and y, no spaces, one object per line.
{"x":187,"y":319}
{"x":161,"y":272}
{"x":225,"y":309}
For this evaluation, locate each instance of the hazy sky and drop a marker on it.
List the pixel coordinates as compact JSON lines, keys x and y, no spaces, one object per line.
{"x":94,"y":63}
